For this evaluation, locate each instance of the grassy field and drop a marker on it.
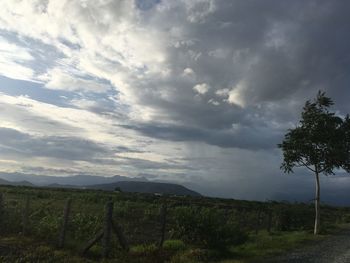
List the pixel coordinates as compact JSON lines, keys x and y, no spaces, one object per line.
{"x":198,"y":229}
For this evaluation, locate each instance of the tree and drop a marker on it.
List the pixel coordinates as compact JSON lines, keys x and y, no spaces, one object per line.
{"x":320,"y":142}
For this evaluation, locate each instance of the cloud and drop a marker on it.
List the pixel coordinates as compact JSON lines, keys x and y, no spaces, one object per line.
{"x":69,"y":148}
{"x":13,"y":59}
{"x":168,"y":77}
{"x":201,"y":88}
{"x":238,"y":136}
{"x":57,"y":79}
{"x":188,"y":72}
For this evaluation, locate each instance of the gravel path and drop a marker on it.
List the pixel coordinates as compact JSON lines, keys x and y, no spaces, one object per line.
{"x":335,"y":249}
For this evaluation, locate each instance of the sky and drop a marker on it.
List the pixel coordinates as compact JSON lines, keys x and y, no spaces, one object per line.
{"x":198,"y":92}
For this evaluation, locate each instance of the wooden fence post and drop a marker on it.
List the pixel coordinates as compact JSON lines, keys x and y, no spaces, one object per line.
{"x":64,"y":226}
{"x":242,"y":218}
{"x":163,"y":214}
{"x":107,"y":229}
{"x":269,"y":220}
{"x":92,"y":242}
{"x":1,"y":208}
{"x":121,"y":238}
{"x":258,"y":222}
{"x":25,"y":217}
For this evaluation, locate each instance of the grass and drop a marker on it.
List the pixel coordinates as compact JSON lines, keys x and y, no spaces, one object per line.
{"x":21,"y":249}
{"x":261,"y":246}
{"x":265,"y":245}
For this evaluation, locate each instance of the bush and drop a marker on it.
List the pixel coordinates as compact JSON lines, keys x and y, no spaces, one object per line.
{"x":174,"y":245}
{"x":144,"y":249}
{"x":207,"y":227}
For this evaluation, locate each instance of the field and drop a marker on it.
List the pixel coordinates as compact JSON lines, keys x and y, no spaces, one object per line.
{"x":170,"y":229}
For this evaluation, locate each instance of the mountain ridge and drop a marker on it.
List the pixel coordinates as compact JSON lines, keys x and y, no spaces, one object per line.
{"x":76,"y":180}
{"x":147,"y":187}
{"x":125,"y":184}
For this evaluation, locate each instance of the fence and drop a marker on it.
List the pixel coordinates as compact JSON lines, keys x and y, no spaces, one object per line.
{"x":80,"y":220}
{"x":41,"y":216}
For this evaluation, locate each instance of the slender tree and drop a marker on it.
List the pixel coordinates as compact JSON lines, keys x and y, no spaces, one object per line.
{"x":320,"y":143}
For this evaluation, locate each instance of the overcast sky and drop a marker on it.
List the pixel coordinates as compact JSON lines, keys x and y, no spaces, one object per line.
{"x":192,"y":91}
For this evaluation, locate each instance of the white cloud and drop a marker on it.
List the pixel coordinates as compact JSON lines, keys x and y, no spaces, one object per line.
{"x":12,"y":60}
{"x":58,"y":79}
{"x":201,"y":88}
{"x":214,"y":102}
{"x":233,"y":95}
{"x":42,"y":120}
{"x":188,"y":72}
{"x":235,"y":98}
{"x":222,"y":92}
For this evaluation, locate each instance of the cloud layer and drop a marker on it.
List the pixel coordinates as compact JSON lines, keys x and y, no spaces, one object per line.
{"x":162,"y":78}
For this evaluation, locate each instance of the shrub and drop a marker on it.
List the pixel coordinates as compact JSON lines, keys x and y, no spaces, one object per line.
{"x":207,"y":227}
{"x":174,"y":245}
{"x":144,"y":249}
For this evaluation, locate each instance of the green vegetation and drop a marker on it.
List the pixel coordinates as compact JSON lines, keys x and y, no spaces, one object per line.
{"x":198,"y":229}
{"x":207,"y":228}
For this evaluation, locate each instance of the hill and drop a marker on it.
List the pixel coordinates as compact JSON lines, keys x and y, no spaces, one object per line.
{"x":126,"y":184}
{"x":23,"y":183}
{"x":75,"y":180}
{"x":147,"y":187}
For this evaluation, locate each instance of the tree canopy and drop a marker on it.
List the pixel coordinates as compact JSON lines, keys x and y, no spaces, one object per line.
{"x":321,"y":141}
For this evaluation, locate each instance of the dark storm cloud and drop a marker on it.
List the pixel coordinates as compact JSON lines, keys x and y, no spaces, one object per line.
{"x":275,"y":54}
{"x":245,"y":137}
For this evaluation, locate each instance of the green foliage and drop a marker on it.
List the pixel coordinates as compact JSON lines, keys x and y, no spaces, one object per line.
{"x":84,"y":226}
{"x":47,"y":227}
{"x":207,"y":227}
{"x":144,"y":249}
{"x":294,"y":217}
{"x":321,"y":141}
{"x":174,"y":245}
{"x":196,"y":255}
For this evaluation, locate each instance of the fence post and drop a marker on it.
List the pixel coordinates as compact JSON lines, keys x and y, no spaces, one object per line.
{"x":243,"y":218}
{"x":120,"y":235}
{"x":64,"y":226}
{"x":107,"y":229}
{"x":258,"y":222}
{"x":163,"y":214}
{"x":25,"y":217}
{"x":92,"y":242}
{"x":1,"y":208}
{"x":269,"y":220}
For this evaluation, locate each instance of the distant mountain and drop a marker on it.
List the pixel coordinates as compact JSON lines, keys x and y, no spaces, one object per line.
{"x":24,"y":183}
{"x":76,"y":180}
{"x":2,"y":181}
{"x":126,"y":184}
{"x":146,"y":187}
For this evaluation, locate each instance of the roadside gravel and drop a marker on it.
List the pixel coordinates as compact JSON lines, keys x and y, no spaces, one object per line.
{"x":335,"y":249}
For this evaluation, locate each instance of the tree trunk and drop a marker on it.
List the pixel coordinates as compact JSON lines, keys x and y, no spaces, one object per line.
{"x":317,"y":205}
